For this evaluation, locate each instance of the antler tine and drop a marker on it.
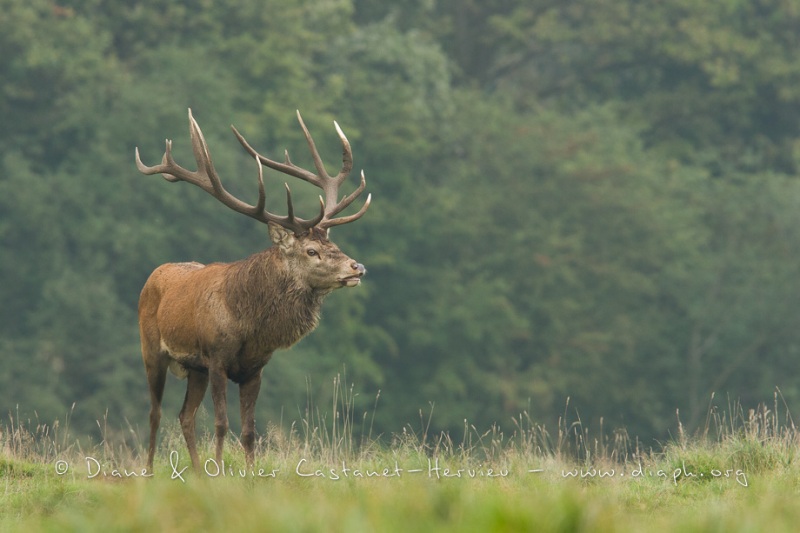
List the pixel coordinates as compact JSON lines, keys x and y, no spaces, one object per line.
{"x":321,"y":172}
{"x":262,"y":197}
{"x":347,"y":155}
{"x":330,"y":222}
{"x":205,"y":167}
{"x":290,"y":207}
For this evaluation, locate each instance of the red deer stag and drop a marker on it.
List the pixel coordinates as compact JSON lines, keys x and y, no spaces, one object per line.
{"x":223,"y":321}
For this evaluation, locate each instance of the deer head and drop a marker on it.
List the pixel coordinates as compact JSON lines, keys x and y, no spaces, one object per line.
{"x":324,"y":267}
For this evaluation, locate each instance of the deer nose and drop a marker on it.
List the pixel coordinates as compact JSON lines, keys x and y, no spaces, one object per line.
{"x":359,"y":268}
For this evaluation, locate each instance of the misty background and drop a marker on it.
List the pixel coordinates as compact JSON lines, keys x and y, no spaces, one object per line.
{"x":593,"y":200}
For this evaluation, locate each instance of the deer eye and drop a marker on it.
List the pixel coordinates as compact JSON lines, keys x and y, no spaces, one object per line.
{"x":312,"y":252}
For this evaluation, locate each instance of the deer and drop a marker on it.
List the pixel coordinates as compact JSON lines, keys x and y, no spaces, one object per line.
{"x":223,"y":321}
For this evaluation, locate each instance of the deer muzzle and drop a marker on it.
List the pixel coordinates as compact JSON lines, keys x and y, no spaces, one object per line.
{"x":355,"y":279}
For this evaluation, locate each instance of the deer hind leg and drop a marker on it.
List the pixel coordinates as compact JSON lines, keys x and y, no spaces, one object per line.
{"x":196,"y":385}
{"x":156,"y":368}
{"x":248,"y":393}
{"x":219,"y":384}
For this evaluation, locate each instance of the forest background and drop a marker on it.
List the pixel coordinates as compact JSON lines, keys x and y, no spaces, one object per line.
{"x":593,"y":200}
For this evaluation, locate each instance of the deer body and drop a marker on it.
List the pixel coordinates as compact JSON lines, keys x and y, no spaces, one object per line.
{"x":211,"y":323}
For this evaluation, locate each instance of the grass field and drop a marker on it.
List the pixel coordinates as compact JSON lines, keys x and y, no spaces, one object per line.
{"x":740,"y":474}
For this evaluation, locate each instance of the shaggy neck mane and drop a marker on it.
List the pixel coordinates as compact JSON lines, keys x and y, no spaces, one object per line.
{"x":270,"y":302}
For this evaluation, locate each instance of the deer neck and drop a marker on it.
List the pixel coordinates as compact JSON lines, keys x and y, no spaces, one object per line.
{"x":270,"y":302}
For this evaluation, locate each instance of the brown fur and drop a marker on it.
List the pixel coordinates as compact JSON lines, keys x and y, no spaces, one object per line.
{"x":224,"y":321}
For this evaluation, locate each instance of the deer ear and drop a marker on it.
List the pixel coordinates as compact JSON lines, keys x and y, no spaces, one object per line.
{"x":280,"y":236}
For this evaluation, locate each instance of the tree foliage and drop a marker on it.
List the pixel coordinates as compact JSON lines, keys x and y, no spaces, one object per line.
{"x":593,"y":200}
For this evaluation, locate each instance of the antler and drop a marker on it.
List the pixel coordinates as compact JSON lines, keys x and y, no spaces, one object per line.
{"x":207,"y":179}
{"x":329,"y":184}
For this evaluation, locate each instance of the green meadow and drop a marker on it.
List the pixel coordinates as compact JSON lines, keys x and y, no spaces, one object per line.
{"x":738,"y":474}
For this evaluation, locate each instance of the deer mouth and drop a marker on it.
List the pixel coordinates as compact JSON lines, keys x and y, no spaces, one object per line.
{"x":352,"y":281}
